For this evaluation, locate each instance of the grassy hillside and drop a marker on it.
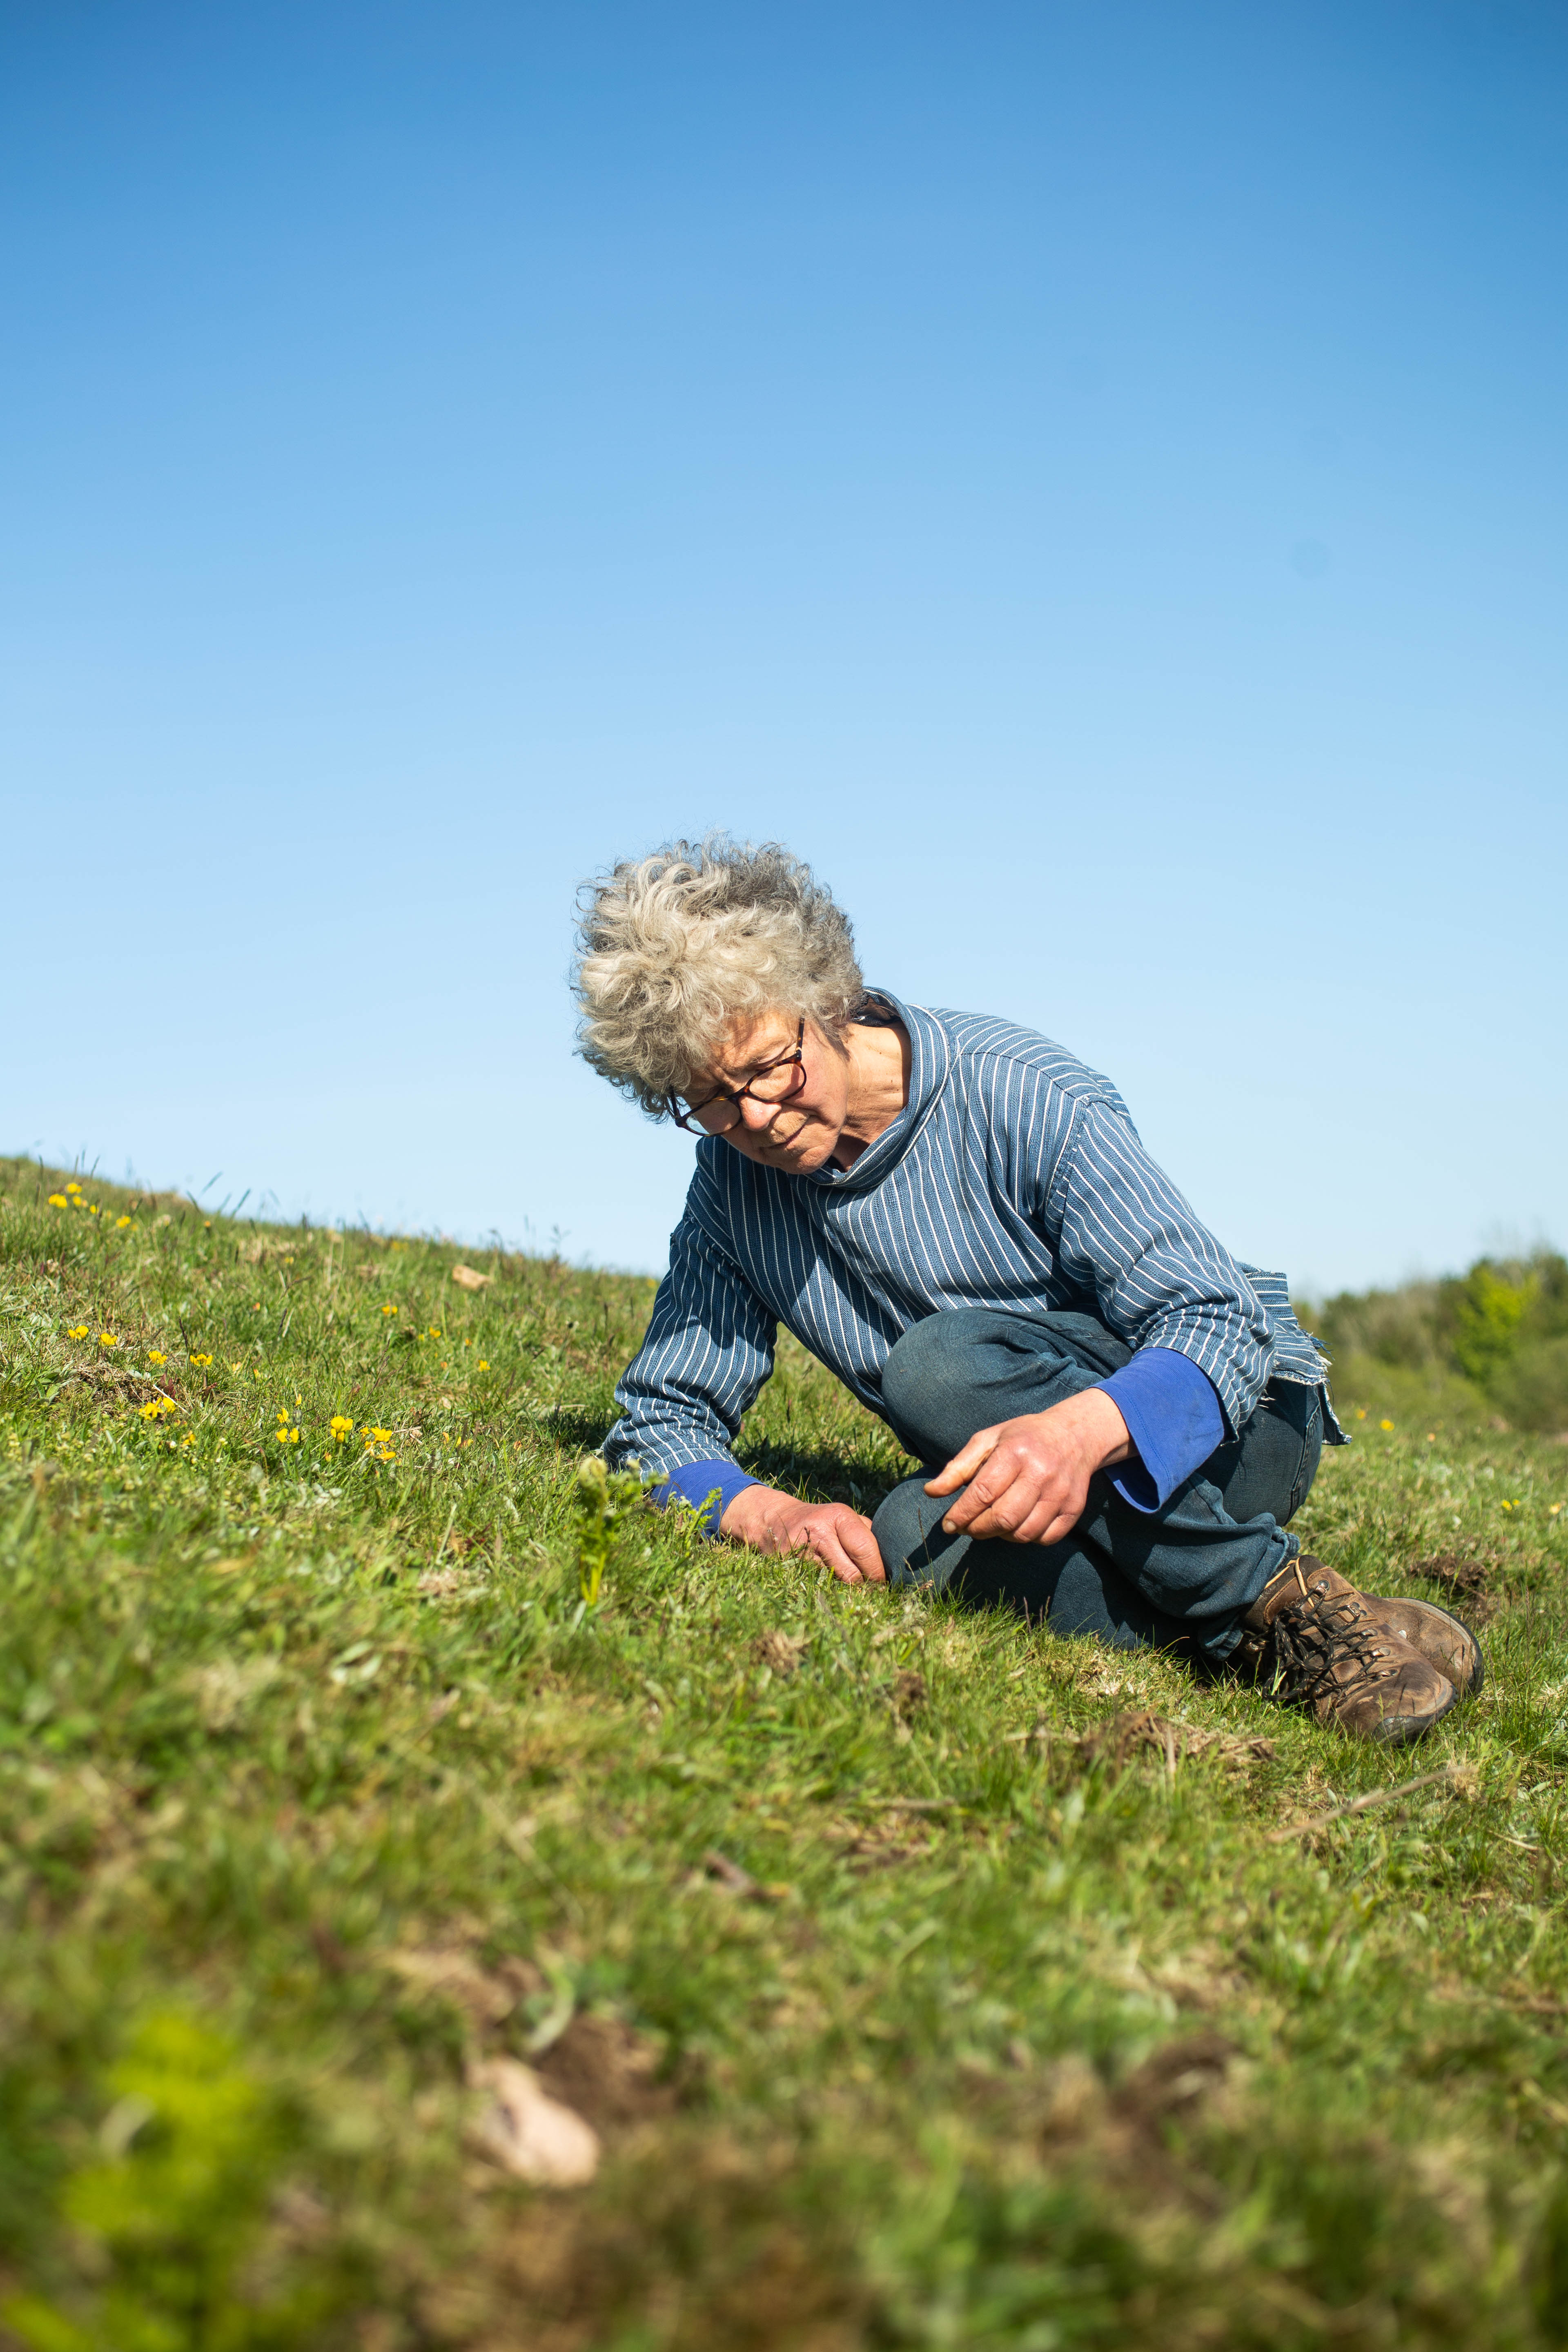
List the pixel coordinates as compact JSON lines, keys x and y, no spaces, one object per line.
{"x":927,"y":1982}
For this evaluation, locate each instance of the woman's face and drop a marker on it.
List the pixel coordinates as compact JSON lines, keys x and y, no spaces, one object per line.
{"x":800,"y":1134}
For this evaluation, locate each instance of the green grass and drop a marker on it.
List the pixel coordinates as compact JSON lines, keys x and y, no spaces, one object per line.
{"x":320,"y":1785}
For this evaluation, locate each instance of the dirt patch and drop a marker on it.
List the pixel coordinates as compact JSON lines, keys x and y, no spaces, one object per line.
{"x":1175,"y":2077}
{"x":1142,"y":1732}
{"x":1139,"y":1731}
{"x":1467,"y":1583}
{"x":1125,"y":2134}
{"x":609,"y":2072}
{"x":782,"y":1652}
{"x":570,"y":2273}
{"x":880,"y":1842}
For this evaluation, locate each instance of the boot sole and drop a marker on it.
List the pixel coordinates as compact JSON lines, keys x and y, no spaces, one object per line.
{"x":1472,"y":1689}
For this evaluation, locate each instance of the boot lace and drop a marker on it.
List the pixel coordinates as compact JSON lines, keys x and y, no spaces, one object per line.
{"x":1312,"y":1646}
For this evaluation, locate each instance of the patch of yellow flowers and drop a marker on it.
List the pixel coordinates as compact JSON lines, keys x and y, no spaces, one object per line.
{"x":377,"y":1441}
{"x":73,"y":1197}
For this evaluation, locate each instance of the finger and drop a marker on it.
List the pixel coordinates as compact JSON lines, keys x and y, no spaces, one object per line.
{"x":1060,"y":1527}
{"x":1048,"y":1514}
{"x":964,"y":1464}
{"x":995,"y":1501}
{"x":998,"y":1525}
{"x":827,"y":1547}
{"x":857,"y":1538}
{"x":821,"y":1536}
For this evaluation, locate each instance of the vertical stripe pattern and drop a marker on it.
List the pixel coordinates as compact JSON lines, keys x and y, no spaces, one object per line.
{"x":1013,"y":1177}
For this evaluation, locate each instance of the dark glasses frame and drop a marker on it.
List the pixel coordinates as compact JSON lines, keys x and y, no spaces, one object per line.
{"x":738,"y":1094}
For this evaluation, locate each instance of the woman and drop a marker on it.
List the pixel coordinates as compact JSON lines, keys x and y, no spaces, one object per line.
{"x":1117,"y":1421}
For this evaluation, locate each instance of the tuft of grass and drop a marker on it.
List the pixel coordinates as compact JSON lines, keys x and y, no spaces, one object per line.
{"x":928,"y":1981}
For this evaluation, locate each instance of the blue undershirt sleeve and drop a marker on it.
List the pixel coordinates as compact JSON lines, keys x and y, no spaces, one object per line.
{"x":1174,"y":1418}
{"x":694,"y":1482}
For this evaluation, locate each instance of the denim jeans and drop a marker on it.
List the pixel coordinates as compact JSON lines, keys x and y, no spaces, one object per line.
{"x":1180,"y":1578}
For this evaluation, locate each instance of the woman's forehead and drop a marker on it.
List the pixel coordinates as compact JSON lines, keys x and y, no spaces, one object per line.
{"x":752,"y":1036}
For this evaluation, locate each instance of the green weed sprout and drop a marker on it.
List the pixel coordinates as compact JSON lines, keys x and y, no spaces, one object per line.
{"x":604,"y":1497}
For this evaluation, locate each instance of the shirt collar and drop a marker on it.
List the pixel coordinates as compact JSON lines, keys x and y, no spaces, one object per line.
{"x":931,"y":1056}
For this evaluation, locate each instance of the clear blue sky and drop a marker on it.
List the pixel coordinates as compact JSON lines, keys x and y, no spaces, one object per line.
{"x":1091,"y":479}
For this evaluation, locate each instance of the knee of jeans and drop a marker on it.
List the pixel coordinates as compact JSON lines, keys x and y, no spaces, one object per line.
{"x":898,"y":1530}
{"x":920,"y":1364}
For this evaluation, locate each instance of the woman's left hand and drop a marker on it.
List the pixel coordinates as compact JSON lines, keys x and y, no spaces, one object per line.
{"x":1027,"y":1479}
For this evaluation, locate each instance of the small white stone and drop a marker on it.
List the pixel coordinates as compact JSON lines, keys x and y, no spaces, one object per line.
{"x":529,"y":2131}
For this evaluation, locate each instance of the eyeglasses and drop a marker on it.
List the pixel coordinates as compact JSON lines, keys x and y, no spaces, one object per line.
{"x":773,"y":1082}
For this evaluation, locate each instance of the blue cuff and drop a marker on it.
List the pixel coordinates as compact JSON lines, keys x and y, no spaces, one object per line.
{"x":694,"y":1482}
{"x":1174,"y":1418}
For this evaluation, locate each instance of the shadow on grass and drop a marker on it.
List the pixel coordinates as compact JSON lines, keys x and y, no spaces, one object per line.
{"x":818,"y":1474}
{"x":585,"y":1430}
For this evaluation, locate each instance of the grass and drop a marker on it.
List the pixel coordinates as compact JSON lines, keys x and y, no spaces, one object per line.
{"x":920,"y":1996}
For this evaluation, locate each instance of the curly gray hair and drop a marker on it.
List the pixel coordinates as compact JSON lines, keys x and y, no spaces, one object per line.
{"x":674,"y":947}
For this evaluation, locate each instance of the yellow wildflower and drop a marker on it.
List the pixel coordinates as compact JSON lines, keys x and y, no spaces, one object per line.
{"x":386,"y":1455}
{"x":484,"y":1367}
{"x":73,"y":1188}
{"x":148,"y":1411}
{"x":120,"y":1223}
{"x":76,"y":1331}
{"x":59,"y":1200}
{"x":156,"y":1356}
{"x":92,"y":1208}
{"x":381,"y":1436}
{"x":1385,"y":1424}
{"x":389,"y":1310}
{"x":187,"y":1439}
{"x":204,"y":1360}
{"x":435,"y":1330}
{"x":109,"y":1338}
{"x":341,"y":1426}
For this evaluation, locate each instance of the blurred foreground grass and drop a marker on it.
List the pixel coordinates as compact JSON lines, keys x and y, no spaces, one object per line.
{"x":920,"y":1994}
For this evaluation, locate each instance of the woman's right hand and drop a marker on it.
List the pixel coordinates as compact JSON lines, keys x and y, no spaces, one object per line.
{"x":839,"y":1538}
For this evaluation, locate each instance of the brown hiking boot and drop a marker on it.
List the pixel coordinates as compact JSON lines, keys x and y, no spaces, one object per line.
{"x":1443,"y":1640}
{"x":1320,"y":1645}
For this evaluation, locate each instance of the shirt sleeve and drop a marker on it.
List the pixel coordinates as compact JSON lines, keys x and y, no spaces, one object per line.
{"x":709,"y":1487}
{"x":708,"y":1348}
{"x":1173,"y":1419}
{"x":1124,"y":1236}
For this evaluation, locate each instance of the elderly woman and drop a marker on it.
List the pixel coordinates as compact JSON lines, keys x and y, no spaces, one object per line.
{"x":1116,"y":1420}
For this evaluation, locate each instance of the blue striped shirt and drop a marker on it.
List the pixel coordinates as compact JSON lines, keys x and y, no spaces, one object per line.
{"x":1012,"y":1178}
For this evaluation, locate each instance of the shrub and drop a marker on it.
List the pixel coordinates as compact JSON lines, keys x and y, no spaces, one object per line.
{"x":1492,"y":1341}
